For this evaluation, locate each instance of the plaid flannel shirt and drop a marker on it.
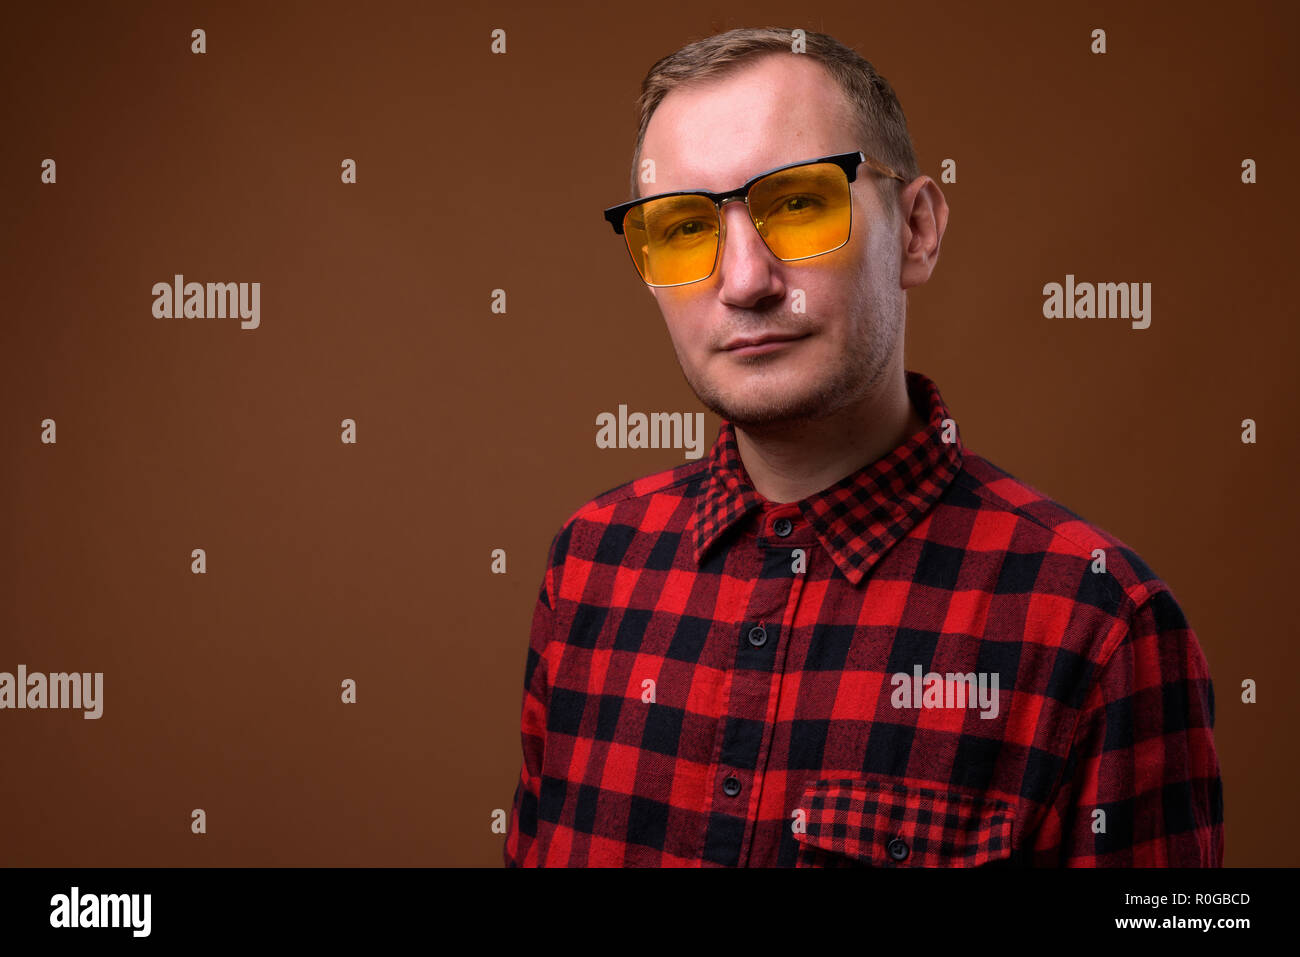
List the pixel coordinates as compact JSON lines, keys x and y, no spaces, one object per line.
{"x":924,"y":664}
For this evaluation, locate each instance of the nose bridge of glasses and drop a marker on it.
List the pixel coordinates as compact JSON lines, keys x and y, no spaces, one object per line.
{"x":747,"y":214}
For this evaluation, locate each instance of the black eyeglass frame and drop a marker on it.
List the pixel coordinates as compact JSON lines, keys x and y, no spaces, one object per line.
{"x":848,"y":162}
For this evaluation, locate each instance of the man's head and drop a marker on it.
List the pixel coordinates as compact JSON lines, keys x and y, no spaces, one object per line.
{"x":719,"y":112}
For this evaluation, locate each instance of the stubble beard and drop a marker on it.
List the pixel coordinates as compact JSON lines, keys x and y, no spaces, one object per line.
{"x":858,"y":371}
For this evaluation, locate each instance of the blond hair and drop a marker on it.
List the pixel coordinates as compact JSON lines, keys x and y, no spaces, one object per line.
{"x":882,"y":127}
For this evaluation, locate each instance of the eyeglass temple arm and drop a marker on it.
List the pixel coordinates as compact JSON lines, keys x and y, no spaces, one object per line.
{"x":880,"y":167}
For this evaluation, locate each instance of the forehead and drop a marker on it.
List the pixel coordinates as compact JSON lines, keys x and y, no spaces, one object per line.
{"x":718,"y":133}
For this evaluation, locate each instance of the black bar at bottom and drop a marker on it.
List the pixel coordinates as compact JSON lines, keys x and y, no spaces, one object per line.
{"x":358,"y":905}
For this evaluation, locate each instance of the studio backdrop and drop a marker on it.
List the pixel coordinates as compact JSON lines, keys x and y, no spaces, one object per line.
{"x":291,"y":532}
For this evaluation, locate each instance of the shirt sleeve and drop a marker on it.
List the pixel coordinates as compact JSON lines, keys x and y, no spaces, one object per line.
{"x":1143,"y":754}
{"x":521,"y":832}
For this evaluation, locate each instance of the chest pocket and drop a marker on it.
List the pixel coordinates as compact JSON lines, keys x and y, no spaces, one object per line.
{"x":858,"y":822}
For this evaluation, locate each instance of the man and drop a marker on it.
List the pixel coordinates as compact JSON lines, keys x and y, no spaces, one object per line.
{"x":843,"y":638}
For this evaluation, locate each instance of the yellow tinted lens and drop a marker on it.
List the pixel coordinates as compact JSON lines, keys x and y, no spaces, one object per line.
{"x":673,"y":239}
{"x":802,"y":212}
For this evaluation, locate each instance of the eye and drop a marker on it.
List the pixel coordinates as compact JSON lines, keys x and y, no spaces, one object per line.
{"x":687,"y":229}
{"x":798,"y":203}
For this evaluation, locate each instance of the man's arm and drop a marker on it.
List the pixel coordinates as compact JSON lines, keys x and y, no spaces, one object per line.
{"x":521,"y":832}
{"x":1143,"y":753}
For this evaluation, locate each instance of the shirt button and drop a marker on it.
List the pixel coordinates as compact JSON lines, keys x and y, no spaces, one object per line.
{"x":783,"y":527}
{"x":898,"y":849}
{"x":758,"y":636}
{"x":731,"y":786}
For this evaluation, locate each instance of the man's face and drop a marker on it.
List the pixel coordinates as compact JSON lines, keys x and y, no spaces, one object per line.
{"x":716,"y":136}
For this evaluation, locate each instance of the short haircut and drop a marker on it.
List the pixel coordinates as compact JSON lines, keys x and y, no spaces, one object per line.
{"x":882,"y":128}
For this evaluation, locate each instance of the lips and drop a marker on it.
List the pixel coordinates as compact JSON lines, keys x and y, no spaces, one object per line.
{"x":753,"y":342}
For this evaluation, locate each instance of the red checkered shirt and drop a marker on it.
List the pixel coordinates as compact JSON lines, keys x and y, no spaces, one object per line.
{"x":929,"y":663}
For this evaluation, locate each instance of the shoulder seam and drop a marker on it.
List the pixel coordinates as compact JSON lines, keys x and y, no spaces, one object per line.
{"x":983,"y":491}
{"x":627,"y":490}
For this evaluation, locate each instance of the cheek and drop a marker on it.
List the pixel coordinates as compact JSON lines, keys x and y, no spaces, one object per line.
{"x":687,"y":340}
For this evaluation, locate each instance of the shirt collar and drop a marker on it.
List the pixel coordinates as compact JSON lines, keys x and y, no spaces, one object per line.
{"x":859,"y":517}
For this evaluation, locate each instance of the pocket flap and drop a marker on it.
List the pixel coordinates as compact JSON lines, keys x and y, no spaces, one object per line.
{"x":883,"y":823}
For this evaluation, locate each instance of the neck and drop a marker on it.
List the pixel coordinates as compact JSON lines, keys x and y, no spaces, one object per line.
{"x":791,"y":461}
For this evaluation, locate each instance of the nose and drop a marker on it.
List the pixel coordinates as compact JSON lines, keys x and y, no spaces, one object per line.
{"x":746,"y":262}
{"x":742,"y":237}
{"x":739,"y":213}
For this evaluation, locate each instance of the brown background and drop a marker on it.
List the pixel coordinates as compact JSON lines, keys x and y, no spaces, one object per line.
{"x":477,"y":431}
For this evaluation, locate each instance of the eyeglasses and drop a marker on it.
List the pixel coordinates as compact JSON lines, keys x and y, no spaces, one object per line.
{"x":801,"y":210}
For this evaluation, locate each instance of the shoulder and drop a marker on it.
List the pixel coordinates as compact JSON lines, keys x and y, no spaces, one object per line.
{"x":628,"y":507}
{"x":1051,"y":542}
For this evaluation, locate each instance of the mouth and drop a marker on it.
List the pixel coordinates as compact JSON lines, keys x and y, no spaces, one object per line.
{"x":759,"y":345}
